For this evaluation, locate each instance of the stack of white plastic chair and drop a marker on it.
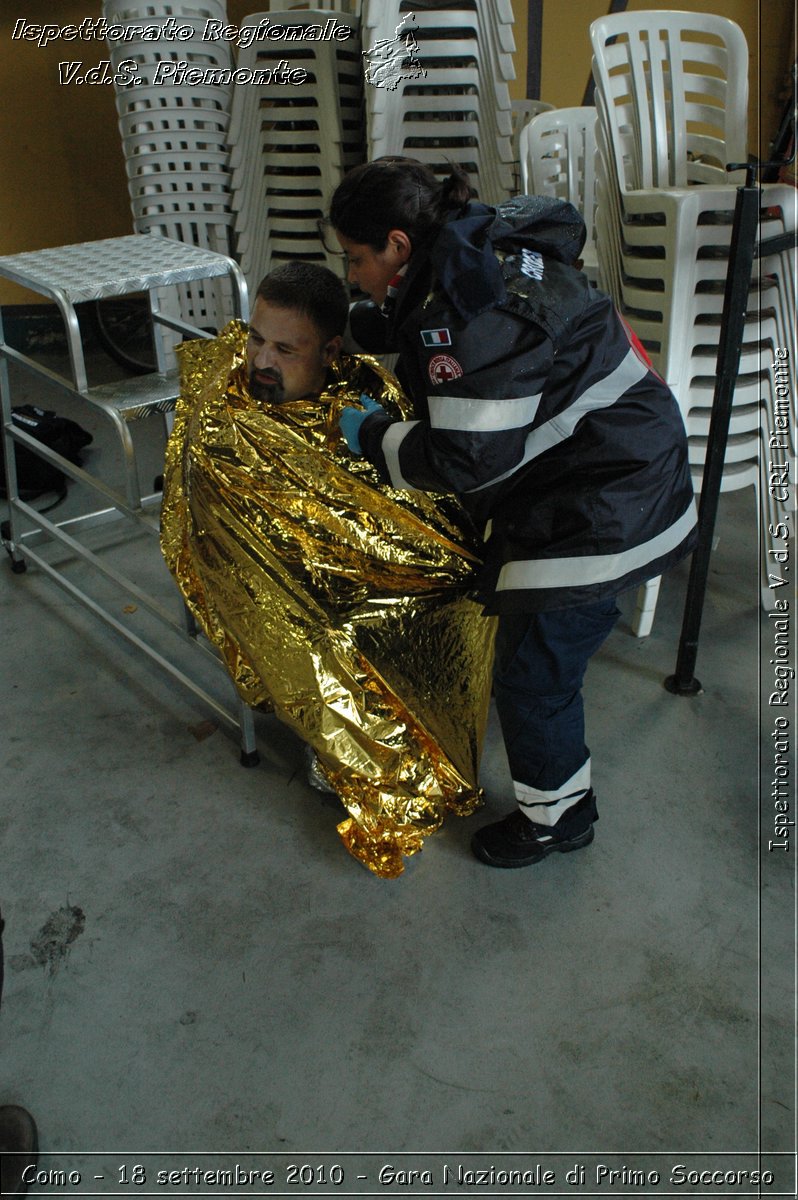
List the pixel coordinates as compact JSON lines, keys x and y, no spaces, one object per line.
{"x":291,"y":144}
{"x":522,"y":111}
{"x":437,"y":87}
{"x":671,"y":98}
{"x":557,"y":150}
{"x":350,"y":7}
{"x":174,"y":133}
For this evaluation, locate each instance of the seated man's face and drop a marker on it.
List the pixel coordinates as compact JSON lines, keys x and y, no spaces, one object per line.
{"x":287,"y":356}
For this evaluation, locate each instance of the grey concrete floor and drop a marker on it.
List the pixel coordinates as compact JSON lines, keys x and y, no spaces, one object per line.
{"x":193,"y":961}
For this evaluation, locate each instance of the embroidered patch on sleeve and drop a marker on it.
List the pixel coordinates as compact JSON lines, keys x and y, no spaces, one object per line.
{"x":443,"y":367}
{"x":436,"y":337}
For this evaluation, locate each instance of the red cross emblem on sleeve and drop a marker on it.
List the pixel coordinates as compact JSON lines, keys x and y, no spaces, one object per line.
{"x":442,"y":368}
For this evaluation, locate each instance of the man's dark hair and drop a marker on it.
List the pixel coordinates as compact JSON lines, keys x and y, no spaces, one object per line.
{"x":311,"y":290}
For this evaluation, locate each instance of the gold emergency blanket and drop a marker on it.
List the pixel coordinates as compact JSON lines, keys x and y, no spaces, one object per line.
{"x":334,"y":600}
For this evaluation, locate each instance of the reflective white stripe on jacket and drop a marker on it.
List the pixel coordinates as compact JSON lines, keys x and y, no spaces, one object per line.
{"x":547,"y":421}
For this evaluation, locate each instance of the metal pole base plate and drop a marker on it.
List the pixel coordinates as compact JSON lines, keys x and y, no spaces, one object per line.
{"x":691,"y":688}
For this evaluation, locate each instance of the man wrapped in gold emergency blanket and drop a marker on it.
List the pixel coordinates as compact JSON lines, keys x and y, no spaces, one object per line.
{"x":334,"y":600}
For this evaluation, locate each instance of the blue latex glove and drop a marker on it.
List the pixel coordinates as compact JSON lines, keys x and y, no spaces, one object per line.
{"x":352,"y":418}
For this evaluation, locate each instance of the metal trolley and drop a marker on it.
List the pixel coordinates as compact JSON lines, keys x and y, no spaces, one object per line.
{"x":92,"y":271}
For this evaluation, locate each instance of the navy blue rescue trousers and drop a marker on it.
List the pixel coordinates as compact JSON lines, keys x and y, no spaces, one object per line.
{"x":540,"y":663}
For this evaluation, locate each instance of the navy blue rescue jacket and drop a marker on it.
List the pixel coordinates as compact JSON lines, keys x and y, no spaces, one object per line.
{"x":537,"y":407}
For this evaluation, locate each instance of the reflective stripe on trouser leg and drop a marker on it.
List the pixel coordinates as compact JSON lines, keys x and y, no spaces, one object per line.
{"x":547,"y":806}
{"x":539,"y":667}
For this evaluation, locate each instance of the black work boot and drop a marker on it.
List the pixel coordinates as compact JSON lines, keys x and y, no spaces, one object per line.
{"x":518,"y":842}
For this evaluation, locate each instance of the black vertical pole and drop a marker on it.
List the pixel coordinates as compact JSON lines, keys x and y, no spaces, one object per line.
{"x":534,"y":48}
{"x":735,"y":302}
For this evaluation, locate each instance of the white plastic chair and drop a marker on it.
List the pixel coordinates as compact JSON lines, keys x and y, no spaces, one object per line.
{"x":128,"y":12}
{"x":522,"y":111}
{"x":683,"y":336}
{"x":525,"y":110}
{"x":557,"y":151}
{"x":350,"y":7}
{"x":671,"y":98}
{"x":675,"y":90}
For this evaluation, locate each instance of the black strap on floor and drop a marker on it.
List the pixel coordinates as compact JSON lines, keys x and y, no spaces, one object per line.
{"x":617,"y":6}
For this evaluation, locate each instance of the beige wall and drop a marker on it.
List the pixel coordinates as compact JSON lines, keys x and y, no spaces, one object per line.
{"x":62,"y":176}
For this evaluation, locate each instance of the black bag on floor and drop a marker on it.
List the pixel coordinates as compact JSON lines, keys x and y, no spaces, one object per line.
{"x":34,"y":475}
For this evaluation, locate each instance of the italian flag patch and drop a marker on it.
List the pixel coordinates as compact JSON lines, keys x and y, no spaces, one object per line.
{"x":436,"y":337}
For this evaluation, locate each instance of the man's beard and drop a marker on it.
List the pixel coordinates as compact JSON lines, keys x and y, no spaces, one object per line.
{"x":267,"y":393}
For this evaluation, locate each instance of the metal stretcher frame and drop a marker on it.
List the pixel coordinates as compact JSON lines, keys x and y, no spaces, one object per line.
{"x":69,"y":275}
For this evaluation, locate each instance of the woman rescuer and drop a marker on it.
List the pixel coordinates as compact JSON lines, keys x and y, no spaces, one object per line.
{"x":539,"y":408}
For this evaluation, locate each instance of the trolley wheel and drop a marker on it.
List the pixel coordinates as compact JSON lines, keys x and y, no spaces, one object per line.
{"x":124,"y":330}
